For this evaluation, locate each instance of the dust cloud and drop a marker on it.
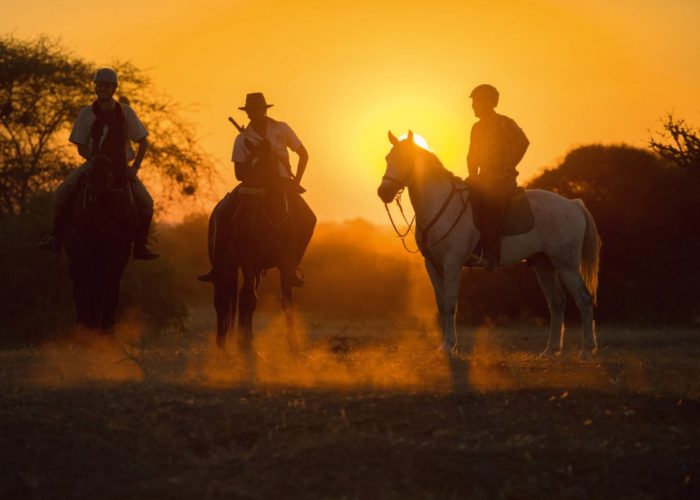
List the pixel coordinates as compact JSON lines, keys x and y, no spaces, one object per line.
{"x":367,"y":321}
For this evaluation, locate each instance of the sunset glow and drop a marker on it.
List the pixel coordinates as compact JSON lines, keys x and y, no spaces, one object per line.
{"x":341,"y":75}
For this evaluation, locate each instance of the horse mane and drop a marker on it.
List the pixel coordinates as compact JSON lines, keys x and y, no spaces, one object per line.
{"x":435,"y":167}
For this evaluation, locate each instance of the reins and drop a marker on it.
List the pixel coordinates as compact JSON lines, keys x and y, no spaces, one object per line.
{"x":424,"y":246}
{"x":402,"y":236}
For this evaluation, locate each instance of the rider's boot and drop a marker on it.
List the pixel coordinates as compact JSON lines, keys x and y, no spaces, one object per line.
{"x":488,"y":262}
{"x":50,"y":243}
{"x":207,"y":277}
{"x":141,"y":250}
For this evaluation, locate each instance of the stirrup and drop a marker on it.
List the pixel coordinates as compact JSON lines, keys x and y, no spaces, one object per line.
{"x":50,"y":243}
{"x":480,"y":260}
{"x":207,"y":277}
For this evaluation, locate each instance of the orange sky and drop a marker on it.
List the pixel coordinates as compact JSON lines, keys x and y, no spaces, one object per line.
{"x":342,"y":73}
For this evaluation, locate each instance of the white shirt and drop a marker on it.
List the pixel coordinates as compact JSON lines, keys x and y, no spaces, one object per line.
{"x":281,"y":137}
{"x":81,"y":128}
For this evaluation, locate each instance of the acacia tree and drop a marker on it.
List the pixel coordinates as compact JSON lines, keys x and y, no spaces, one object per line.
{"x":678,"y":142}
{"x":42,"y":89}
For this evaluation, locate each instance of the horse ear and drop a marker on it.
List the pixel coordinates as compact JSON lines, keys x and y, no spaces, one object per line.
{"x":410,"y":135}
{"x":392,"y":139}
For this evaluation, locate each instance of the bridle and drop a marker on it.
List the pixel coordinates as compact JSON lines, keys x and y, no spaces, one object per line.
{"x":397,"y":199}
{"x":108,"y":188}
{"x":424,"y":246}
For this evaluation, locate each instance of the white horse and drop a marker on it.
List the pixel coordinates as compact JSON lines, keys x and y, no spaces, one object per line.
{"x":563,"y":243}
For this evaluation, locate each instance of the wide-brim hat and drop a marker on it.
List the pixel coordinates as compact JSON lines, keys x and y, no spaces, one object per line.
{"x":255,"y":100}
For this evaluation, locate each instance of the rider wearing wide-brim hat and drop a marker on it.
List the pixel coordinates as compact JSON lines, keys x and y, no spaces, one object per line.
{"x":106,"y":128}
{"x":282,"y":139}
{"x":496,"y":146}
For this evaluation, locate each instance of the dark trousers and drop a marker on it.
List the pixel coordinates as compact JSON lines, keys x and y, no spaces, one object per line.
{"x":142,"y":200}
{"x":303,"y":216}
{"x":494,"y":194}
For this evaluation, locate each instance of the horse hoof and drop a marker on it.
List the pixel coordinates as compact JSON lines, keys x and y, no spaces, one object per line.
{"x":549,"y":354}
{"x":221,"y":344}
{"x":585,"y":356}
{"x":446,"y":348}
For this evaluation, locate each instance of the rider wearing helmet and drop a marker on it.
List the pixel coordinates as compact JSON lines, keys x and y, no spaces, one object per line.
{"x":106,"y":127}
{"x":497,"y":145}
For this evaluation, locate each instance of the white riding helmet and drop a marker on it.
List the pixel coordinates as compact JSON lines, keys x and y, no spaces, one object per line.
{"x":107,"y":75}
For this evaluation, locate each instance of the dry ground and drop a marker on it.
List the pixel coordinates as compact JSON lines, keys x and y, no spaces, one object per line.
{"x":368,"y":410}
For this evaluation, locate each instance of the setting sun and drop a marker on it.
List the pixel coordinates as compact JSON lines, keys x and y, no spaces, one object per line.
{"x":419,"y":140}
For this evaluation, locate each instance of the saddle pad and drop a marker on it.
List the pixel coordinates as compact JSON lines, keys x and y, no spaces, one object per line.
{"x":519,"y":218}
{"x":252,"y":191}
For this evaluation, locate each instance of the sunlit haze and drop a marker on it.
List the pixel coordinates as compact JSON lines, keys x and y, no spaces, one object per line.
{"x":344,"y":73}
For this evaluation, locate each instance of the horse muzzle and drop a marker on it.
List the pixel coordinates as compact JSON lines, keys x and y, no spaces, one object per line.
{"x":387,"y":190}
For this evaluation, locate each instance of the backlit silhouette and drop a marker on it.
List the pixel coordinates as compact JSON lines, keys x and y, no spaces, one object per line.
{"x":106,"y":127}
{"x":263,"y":223}
{"x":496,"y":147}
{"x":102,"y":208}
{"x":563,"y":243}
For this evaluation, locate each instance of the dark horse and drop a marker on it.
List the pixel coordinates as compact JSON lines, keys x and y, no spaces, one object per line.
{"x":253,"y":233}
{"x":98,"y":242}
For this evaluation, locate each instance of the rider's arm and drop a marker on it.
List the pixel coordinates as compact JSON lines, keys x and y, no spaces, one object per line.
{"x":242,"y":170}
{"x":303,"y":160}
{"x":80,"y":133}
{"x":472,"y":156}
{"x":520,"y":143}
{"x":140,"y":153}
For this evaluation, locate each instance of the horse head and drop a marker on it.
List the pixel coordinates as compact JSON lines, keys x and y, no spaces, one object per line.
{"x":400,"y":166}
{"x":262,"y":158}
{"x":104,"y":176}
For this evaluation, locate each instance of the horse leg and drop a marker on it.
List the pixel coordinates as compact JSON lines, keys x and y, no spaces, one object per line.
{"x":584,"y":302}
{"x":439,"y":289}
{"x":93,"y":296}
{"x":110,"y":297}
{"x":288,"y":306}
{"x":556,"y":300}
{"x":225,"y":291}
{"x":108,"y":305}
{"x":246,"y":303}
{"x":81,"y":293}
{"x":81,"y":297}
{"x":452,"y":280}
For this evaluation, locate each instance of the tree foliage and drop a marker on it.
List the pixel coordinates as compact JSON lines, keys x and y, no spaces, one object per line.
{"x":42,"y":89}
{"x":646,"y":210}
{"x":679,"y":143}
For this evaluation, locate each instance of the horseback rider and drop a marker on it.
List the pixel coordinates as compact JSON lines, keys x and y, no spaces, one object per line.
{"x":497,"y":145}
{"x":106,"y":128}
{"x":281,"y":137}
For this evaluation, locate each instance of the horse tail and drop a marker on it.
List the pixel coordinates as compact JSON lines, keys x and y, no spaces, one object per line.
{"x":590,"y":254}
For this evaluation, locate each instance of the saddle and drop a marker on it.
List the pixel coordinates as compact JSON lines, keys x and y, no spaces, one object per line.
{"x":518,"y":219}
{"x":246,"y":213}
